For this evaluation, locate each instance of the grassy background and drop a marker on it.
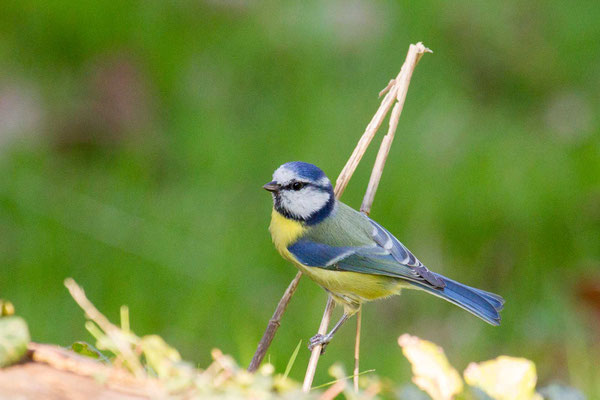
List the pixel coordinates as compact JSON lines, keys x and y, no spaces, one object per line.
{"x":135,"y":137}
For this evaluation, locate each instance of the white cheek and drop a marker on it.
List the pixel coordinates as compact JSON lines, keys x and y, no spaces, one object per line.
{"x":305,"y":202}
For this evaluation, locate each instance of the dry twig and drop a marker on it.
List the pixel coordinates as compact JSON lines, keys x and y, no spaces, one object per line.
{"x":273,"y":325}
{"x":314,"y":356}
{"x":396,"y":91}
{"x":357,"y":349}
{"x":333,"y":391}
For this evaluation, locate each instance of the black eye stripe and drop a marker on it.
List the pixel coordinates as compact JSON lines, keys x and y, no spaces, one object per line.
{"x":296,"y":185}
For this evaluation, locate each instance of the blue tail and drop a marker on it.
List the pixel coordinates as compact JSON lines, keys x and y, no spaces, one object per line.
{"x":485,"y":305}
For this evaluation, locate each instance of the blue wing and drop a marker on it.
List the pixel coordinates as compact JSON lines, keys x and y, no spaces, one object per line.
{"x":402,"y":255}
{"x":377,"y":252}
{"x":373,"y":259}
{"x":322,"y":255}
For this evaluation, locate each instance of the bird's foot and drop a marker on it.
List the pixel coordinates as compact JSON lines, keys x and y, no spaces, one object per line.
{"x":317,"y":340}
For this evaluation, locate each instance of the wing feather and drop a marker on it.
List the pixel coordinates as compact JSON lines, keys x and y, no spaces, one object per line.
{"x":315,"y":254}
{"x":402,"y":255}
{"x":372,"y":260}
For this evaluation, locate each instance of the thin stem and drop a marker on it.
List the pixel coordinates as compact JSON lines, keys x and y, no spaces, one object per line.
{"x":316,"y":352}
{"x":357,"y":349}
{"x":365,"y":140}
{"x":333,"y":391}
{"x":399,"y":89}
{"x":396,"y":89}
{"x":382,"y":155}
{"x":274,"y":324}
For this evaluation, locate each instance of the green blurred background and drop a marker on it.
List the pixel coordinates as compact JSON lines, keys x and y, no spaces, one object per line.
{"x":135,"y":137}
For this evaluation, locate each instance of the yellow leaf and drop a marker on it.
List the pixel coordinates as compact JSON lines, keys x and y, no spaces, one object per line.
{"x":431,"y":370}
{"x":504,"y":378}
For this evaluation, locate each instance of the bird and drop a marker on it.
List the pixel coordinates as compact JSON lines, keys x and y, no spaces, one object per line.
{"x":348,"y":254}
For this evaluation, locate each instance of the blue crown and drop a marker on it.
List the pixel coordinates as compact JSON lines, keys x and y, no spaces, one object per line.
{"x":305,"y":170}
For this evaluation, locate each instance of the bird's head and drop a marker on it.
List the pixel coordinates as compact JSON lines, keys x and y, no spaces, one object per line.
{"x":301,"y":191}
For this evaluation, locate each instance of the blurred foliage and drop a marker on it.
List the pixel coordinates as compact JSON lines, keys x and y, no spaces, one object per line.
{"x":14,"y":336}
{"x":135,"y":136}
{"x":86,"y":349}
{"x":6,"y":308}
{"x":160,"y":370}
{"x":504,"y":378}
{"x":431,"y":370}
{"x":164,"y":374}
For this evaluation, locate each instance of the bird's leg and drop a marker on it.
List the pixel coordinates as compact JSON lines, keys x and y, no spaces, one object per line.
{"x":323,"y":340}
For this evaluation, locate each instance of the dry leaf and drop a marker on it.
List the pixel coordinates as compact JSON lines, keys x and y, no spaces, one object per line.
{"x":504,"y":378}
{"x":431,"y":370}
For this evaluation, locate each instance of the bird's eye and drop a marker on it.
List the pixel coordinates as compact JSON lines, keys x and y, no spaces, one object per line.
{"x":297,"y":185}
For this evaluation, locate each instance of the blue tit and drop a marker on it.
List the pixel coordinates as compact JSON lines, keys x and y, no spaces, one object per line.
{"x":348,"y":254}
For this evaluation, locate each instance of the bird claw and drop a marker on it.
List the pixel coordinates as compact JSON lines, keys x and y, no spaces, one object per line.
{"x":319,"y":340}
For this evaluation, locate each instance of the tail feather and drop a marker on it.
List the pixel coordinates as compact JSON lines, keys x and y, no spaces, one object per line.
{"x":492,"y":298}
{"x":480,"y":303}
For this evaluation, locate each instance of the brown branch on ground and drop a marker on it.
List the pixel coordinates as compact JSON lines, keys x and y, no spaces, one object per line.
{"x":51,"y":372}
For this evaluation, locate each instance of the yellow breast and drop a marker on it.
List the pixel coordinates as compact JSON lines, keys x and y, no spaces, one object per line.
{"x":284,"y":232}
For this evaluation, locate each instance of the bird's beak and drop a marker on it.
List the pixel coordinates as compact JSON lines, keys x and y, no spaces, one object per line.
{"x":272,"y":186}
